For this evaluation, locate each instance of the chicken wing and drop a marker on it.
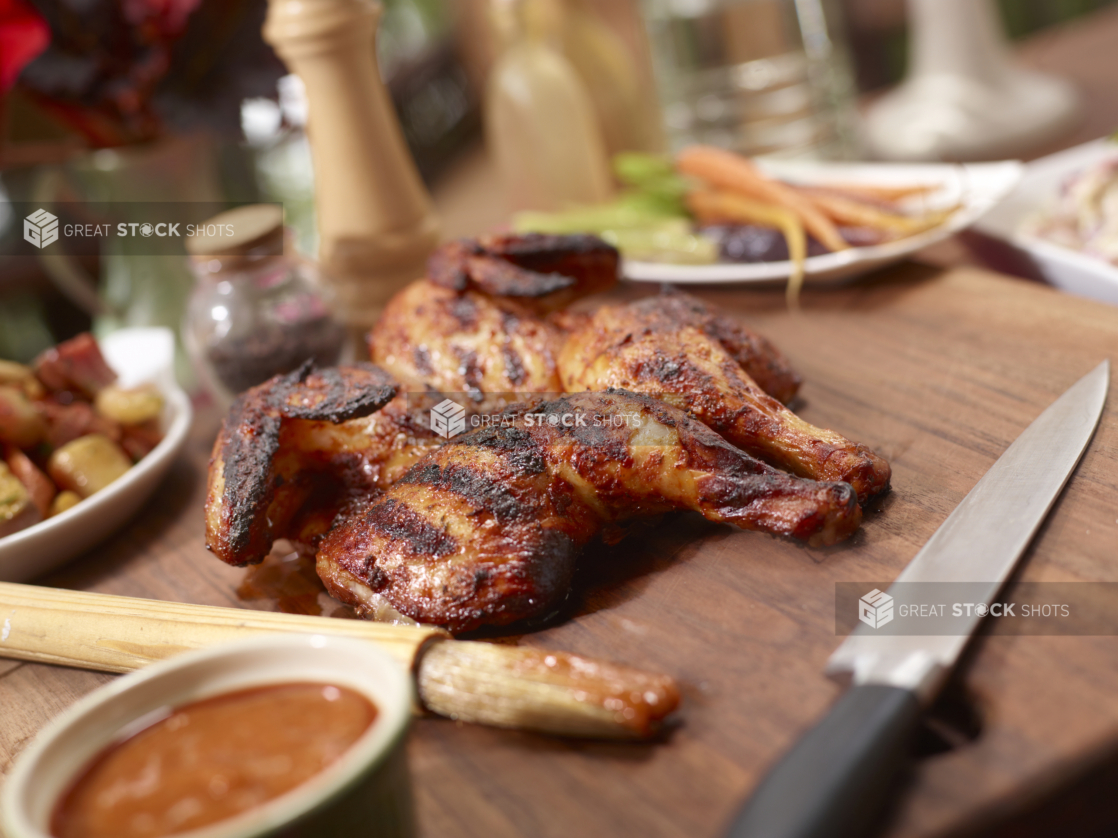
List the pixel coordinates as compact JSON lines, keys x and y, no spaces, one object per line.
{"x":674,"y":348}
{"x":292,"y":450}
{"x":542,"y":273}
{"x":486,"y":529}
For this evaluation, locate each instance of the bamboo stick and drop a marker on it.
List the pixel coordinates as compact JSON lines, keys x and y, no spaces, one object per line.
{"x":119,"y":634}
{"x":505,"y":686}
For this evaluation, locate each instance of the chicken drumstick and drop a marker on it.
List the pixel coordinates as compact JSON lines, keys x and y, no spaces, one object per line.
{"x":676,"y":349}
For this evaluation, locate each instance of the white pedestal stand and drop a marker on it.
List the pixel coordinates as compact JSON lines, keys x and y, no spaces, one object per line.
{"x":964,"y":99}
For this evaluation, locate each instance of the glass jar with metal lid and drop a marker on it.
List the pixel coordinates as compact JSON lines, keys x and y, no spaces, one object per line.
{"x":257,"y":308}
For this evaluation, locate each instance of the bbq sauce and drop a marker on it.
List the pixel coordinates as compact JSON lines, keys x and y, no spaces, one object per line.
{"x":211,"y":760}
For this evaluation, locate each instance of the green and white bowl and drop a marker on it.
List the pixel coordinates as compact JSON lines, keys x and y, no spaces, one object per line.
{"x":366,"y":792}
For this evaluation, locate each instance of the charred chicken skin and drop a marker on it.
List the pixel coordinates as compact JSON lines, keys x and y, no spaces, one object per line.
{"x":281,"y":469}
{"x":294,"y":449}
{"x":541,"y":273}
{"x":433,"y":337}
{"x":474,"y":325}
{"x":674,"y":348}
{"x":485,"y":530}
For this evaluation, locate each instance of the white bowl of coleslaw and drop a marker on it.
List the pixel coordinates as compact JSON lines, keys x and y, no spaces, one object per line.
{"x":1059,"y":223}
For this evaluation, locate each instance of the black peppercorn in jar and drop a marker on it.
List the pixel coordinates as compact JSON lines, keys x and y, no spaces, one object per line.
{"x":257,"y":308}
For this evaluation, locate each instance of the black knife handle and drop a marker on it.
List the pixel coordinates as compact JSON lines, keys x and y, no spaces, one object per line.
{"x":835,"y":781}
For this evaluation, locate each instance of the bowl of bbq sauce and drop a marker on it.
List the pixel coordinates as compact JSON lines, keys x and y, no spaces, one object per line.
{"x":282,"y":736}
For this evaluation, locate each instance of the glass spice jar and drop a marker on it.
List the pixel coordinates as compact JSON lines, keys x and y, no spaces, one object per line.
{"x":257,"y":308}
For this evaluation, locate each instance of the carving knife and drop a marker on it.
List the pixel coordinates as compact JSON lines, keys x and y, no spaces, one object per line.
{"x":836,"y":780}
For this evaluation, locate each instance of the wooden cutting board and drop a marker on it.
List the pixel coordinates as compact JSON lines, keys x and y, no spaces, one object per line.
{"x":939,"y":372}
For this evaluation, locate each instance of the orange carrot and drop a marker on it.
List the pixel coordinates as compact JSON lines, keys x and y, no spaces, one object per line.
{"x":38,"y":485}
{"x":729,"y":206}
{"x":853,"y":213}
{"x":729,"y":171}
{"x":886,"y":194}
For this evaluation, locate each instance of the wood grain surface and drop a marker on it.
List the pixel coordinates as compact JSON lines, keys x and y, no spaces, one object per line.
{"x":938,"y":371}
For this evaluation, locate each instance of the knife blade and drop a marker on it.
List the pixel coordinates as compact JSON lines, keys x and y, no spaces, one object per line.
{"x":836,"y":779}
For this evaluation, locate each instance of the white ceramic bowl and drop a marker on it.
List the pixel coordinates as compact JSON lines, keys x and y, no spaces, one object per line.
{"x":366,"y":792}
{"x":999,"y":240}
{"x":137,"y":356}
{"x":975,"y":188}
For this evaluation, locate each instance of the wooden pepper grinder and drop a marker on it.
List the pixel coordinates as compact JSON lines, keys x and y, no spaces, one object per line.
{"x":375,"y":221}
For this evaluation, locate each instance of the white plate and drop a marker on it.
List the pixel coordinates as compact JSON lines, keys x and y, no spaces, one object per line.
{"x":977,"y":187}
{"x":1067,"y":269}
{"x":137,"y":355}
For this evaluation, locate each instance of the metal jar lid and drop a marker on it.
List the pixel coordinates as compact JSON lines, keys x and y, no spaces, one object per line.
{"x":237,"y":238}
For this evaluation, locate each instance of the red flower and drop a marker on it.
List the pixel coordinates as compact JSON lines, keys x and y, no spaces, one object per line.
{"x":168,"y":16}
{"x":23,"y":35}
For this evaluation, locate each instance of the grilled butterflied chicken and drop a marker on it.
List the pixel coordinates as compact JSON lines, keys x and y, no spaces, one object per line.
{"x":485,"y":530}
{"x":674,"y":348}
{"x":472,"y":331}
{"x":293,"y":450}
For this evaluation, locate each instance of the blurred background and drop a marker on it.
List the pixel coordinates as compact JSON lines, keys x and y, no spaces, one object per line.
{"x":879,"y":34}
{"x":181,"y":100}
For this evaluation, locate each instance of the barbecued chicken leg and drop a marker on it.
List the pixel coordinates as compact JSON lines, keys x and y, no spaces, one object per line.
{"x":486,"y":529}
{"x":675,"y":348}
{"x":295,"y":448}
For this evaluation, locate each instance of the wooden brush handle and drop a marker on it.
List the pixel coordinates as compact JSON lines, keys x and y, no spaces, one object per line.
{"x":119,"y":634}
{"x":506,"y":686}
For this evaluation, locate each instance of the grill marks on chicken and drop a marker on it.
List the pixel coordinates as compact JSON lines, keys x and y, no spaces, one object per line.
{"x":474,"y":325}
{"x":447,"y":550}
{"x":672,"y":310}
{"x":674,"y":348}
{"x":450,"y":341}
{"x":486,"y":529}
{"x":292,"y":450}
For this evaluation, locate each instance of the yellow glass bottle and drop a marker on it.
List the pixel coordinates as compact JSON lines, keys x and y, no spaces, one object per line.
{"x":539,"y":120}
{"x":625,"y":108}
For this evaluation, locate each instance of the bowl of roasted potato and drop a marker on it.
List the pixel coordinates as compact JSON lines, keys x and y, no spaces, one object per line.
{"x":87,"y":431}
